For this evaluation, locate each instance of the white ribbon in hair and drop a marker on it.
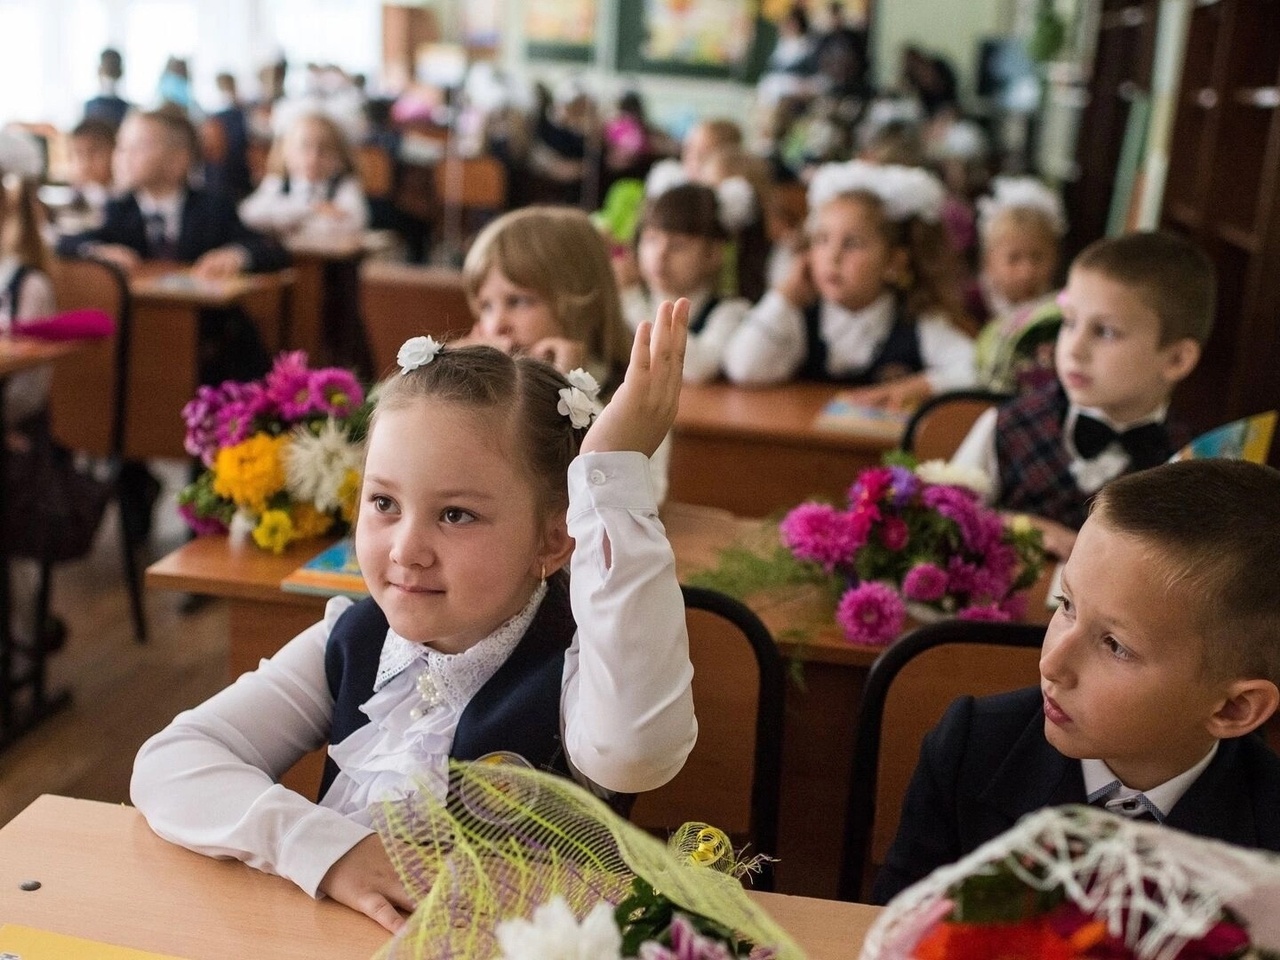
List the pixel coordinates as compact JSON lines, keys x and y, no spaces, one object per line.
{"x":1009,"y":193}
{"x":903,"y":192}
{"x":736,"y":205}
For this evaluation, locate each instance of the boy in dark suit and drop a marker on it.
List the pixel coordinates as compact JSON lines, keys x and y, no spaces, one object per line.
{"x":1158,"y":666}
{"x":1137,"y":311}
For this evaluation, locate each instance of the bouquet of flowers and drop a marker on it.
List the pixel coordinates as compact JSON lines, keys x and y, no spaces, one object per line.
{"x":283,"y":454}
{"x":1078,"y":883}
{"x":519,"y":864}
{"x":919,"y":536}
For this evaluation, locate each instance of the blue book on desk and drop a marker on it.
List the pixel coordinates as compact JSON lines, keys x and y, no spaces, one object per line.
{"x":333,"y":572}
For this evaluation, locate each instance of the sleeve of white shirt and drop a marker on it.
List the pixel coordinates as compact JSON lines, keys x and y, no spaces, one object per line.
{"x":627,"y":700}
{"x":350,"y":202}
{"x":272,"y":210}
{"x":768,"y":346}
{"x":978,"y":451}
{"x":208,"y":780}
{"x":948,"y":354}
{"x":704,"y":355}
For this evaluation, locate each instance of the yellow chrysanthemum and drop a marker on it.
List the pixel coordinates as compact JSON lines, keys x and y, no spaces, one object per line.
{"x":309,"y":522}
{"x":251,"y":472}
{"x":274,"y":531}
{"x":349,"y":494}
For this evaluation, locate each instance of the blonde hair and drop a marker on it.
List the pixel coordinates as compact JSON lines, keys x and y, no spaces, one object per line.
{"x":1010,"y":219}
{"x":333,"y":135}
{"x":21,"y":219}
{"x":721,"y":132}
{"x":558,"y":253}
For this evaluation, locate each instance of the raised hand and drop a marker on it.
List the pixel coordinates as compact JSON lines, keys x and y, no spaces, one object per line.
{"x":642,"y":411}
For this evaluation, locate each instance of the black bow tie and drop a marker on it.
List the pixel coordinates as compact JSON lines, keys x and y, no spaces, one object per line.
{"x":1146,"y":445}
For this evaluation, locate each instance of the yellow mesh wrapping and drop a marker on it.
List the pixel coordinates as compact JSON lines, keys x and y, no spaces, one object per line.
{"x":507,"y":839}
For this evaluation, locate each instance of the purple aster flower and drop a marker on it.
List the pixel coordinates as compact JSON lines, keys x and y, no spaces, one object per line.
{"x":871,"y":613}
{"x":959,"y":505}
{"x":686,"y":944}
{"x":989,"y":612}
{"x":823,"y":534}
{"x":925,"y":582}
{"x":200,"y":526}
{"x":1015,"y":605}
{"x":903,"y":486}
{"x":335,"y":391}
{"x":288,"y":384}
{"x":237,"y":420}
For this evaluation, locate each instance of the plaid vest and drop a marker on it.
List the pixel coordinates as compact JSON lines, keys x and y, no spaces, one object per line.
{"x":1035,"y":474}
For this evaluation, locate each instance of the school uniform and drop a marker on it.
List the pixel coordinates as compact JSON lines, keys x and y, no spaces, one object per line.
{"x":1044,"y":456}
{"x":283,"y":205}
{"x":712,"y":322}
{"x":539,"y":686}
{"x":778,"y":342}
{"x":987,"y":763}
{"x":108,"y":106}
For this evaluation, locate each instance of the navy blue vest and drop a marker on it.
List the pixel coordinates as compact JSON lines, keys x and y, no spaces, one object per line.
{"x":700,"y":321}
{"x":517,"y":710}
{"x":899,"y":355}
{"x":330,"y":186}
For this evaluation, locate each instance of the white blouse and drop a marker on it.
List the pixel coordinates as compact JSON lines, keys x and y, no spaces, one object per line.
{"x":208,"y":780}
{"x":770,"y":345}
{"x":25,"y":393}
{"x":705,"y":350}
{"x":272,"y":210}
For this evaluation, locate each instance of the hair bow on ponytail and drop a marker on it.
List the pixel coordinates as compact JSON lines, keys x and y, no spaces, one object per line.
{"x":736,"y":205}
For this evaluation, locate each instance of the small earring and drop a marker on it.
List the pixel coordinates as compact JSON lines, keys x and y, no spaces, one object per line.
{"x":544,"y":573}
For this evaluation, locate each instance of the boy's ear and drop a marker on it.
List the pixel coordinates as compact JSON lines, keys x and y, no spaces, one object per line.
{"x":1248,"y":705}
{"x":1180,"y":358}
{"x":557,"y":547}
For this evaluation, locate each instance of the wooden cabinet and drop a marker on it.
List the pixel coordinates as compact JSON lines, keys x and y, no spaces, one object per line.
{"x":1222,"y":192}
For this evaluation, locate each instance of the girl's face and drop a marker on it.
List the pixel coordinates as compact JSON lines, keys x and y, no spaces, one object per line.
{"x":1019,"y":262}
{"x":310,"y":154}
{"x":851,"y":261}
{"x":678,"y":264}
{"x":449,"y":536}
{"x":518,"y":314}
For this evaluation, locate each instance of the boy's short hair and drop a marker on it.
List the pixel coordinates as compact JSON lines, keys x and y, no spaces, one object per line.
{"x":177,"y":128}
{"x":111,"y":64}
{"x":1216,"y":526}
{"x":97,"y":130}
{"x":1173,"y":276}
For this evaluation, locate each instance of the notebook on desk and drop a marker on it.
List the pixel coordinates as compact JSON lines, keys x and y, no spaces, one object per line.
{"x":27,"y":943}
{"x":844,"y":415}
{"x":332,"y":572}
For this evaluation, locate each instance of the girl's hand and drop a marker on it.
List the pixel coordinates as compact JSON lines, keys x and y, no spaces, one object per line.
{"x":364,"y":879}
{"x":220,"y":263}
{"x":478,"y":339}
{"x":797,"y":286}
{"x":561,"y":352}
{"x":641,"y":413}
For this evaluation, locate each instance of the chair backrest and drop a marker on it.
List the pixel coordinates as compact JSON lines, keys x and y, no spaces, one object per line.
{"x":399,"y":301}
{"x":907,"y":690}
{"x":377,"y":171}
{"x":732,"y":779}
{"x":92,"y":380}
{"x":936,"y":430}
{"x":472,"y":183}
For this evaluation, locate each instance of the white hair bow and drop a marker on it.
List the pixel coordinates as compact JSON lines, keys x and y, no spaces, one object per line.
{"x":903,"y":192}
{"x":1009,"y":193}
{"x":736,"y":205}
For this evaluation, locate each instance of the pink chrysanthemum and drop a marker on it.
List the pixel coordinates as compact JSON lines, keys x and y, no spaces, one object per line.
{"x":990,"y":612}
{"x":871,"y":485}
{"x":959,"y":505}
{"x":823,"y":534}
{"x":925,"y":582}
{"x":871,"y":613}
{"x":335,"y":391}
{"x":200,"y":526}
{"x":236,"y":421}
{"x":894,"y":534}
{"x":288,"y":385}
{"x":1015,"y":605}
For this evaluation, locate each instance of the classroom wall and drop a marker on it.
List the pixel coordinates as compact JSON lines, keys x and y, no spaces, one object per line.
{"x":950,"y":27}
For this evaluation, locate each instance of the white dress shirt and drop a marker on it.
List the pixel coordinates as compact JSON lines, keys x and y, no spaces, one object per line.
{"x":169,"y":208}
{"x":978,"y":449}
{"x":1099,"y":781}
{"x":208,"y":780}
{"x":770,"y":345}
{"x":705,"y":350}
{"x":271,"y":210}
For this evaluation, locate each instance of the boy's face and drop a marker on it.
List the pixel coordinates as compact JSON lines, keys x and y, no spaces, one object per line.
{"x":677,"y":264}
{"x":1019,"y":263}
{"x":90,"y":161}
{"x":1122,"y":665}
{"x":145,"y":159}
{"x":1108,"y":353}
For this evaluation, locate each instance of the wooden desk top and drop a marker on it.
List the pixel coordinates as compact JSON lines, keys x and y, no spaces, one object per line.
{"x":105,"y":876}
{"x":24,"y":353}
{"x":174,"y":283}
{"x":217,"y":567}
{"x":784,"y":413}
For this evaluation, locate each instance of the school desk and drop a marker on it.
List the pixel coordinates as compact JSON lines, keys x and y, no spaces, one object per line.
{"x":105,"y":876}
{"x":164,"y":365}
{"x":755,"y":451}
{"x":21,"y":670}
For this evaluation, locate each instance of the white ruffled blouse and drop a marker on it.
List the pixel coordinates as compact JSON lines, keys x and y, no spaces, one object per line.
{"x":418,"y":699}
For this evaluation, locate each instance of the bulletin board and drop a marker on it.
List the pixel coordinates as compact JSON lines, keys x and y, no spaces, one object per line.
{"x":560,"y":29}
{"x":699,"y":38}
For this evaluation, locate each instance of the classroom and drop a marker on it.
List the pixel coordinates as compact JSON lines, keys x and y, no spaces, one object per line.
{"x":639,"y":478}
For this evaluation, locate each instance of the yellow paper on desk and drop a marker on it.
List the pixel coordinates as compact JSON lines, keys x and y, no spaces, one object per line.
{"x":27,"y":943}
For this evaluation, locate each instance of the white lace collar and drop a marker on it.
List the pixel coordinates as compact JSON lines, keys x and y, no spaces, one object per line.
{"x":460,"y":674}
{"x":879,"y":312}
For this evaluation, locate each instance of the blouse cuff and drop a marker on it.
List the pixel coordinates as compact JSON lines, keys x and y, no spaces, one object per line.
{"x":316,"y":842}
{"x":618,"y":479}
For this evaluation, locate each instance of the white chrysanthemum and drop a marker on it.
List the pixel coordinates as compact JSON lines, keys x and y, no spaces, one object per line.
{"x":555,"y":934}
{"x":584,"y":381}
{"x":940,"y":471}
{"x":903,"y":191}
{"x":578,"y":405}
{"x":417,"y":352}
{"x":317,"y":464}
